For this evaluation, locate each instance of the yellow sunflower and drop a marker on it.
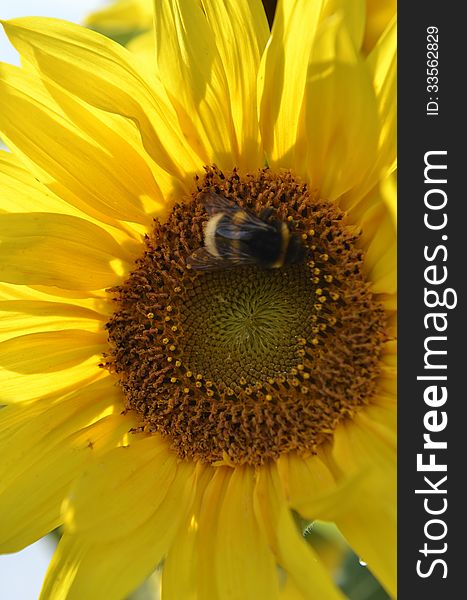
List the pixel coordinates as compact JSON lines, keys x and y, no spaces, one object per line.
{"x":130,"y":21}
{"x":123,"y":20}
{"x":177,"y":416}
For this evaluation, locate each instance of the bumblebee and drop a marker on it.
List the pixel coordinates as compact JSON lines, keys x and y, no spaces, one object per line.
{"x":236,"y":236}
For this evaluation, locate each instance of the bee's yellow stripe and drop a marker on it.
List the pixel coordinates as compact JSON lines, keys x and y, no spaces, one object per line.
{"x":285,"y":244}
{"x":210,"y":234}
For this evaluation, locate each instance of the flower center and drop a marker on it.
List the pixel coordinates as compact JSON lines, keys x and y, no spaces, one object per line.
{"x":254,"y":319}
{"x":241,"y":362}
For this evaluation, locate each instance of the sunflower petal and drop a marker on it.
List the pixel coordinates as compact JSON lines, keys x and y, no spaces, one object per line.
{"x":379,"y":239}
{"x":144,"y":46}
{"x":95,"y":301}
{"x":241,"y":31}
{"x":340,"y":137}
{"x":206,"y":529}
{"x":244,"y":564}
{"x":383,"y":64}
{"x":74,"y":145}
{"x":191,"y":68}
{"x":38,"y":248}
{"x":383,"y":264}
{"x":138,"y":474}
{"x":379,"y":14}
{"x":290,"y":591}
{"x":21,"y":192}
{"x":40,"y":363}
{"x":292,"y":552}
{"x":369,"y":524}
{"x":181,"y":566}
{"x":282,"y":76}
{"x":46,"y":352}
{"x":354,"y":14}
{"x":122,"y":16}
{"x":21,"y":317}
{"x":44,"y":447}
{"x":107,"y":76}
{"x":85,"y":568}
{"x":371,"y":531}
{"x":310,"y":486}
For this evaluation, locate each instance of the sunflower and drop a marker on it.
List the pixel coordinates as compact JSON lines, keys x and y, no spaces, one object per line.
{"x":123,"y":20}
{"x":178,"y":417}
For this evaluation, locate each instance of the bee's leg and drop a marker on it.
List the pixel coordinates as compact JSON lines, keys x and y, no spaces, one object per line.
{"x":266,"y":213}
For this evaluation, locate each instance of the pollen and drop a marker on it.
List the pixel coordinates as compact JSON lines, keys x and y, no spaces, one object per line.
{"x":245,"y":362}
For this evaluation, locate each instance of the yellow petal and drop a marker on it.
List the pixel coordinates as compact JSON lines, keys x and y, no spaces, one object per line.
{"x":282,"y":77}
{"x":388,"y":379}
{"x":383,"y":64}
{"x":354,"y":14}
{"x":379,"y":14}
{"x":181,"y":566}
{"x":308,"y":484}
{"x":21,"y":192}
{"x":87,"y":567}
{"x":139,"y":474}
{"x":24,"y":192}
{"x":388,"y":188}
{"x":320,"y":501}
{"x":61,"y":250}
{"x":69,"y":142}
{"x":40,"y":363}
{"x":375,"y":215}
{"x":371,"y":532}
{"x":381,"y":416}
{"x":122,"y":15}
{"x":206,"y":529}
{"x":21,"y":317}
{"x":232,"y":556}
{"x":191,"y":69}
{"x":94,"y":301}
{"x":240,"y":32}
{"x":358,"y":446}
{"x":290,"y":591}
{"x":381,"y":258}
{"x":144,"y":47}
{"x":340,"y":129}
{"x":292,"y":552}
{"x":380,"y":242}
{"x":244,"y":564}
{"x":383,"y":273}
{"x":387,"y":386}
{"x":44,"y":446}
{"x":107,"y":76}
{"x":46,"y":352}
{"x":370,"y":524}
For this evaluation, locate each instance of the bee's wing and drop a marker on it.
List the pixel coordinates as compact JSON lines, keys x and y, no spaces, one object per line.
{"x":214,"y":203}
{"x":202,"y":260}
{"x":242,"y":224}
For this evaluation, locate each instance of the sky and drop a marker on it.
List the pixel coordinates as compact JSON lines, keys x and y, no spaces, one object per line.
{"x":21,"y":574}
{"x":71,"y":10}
